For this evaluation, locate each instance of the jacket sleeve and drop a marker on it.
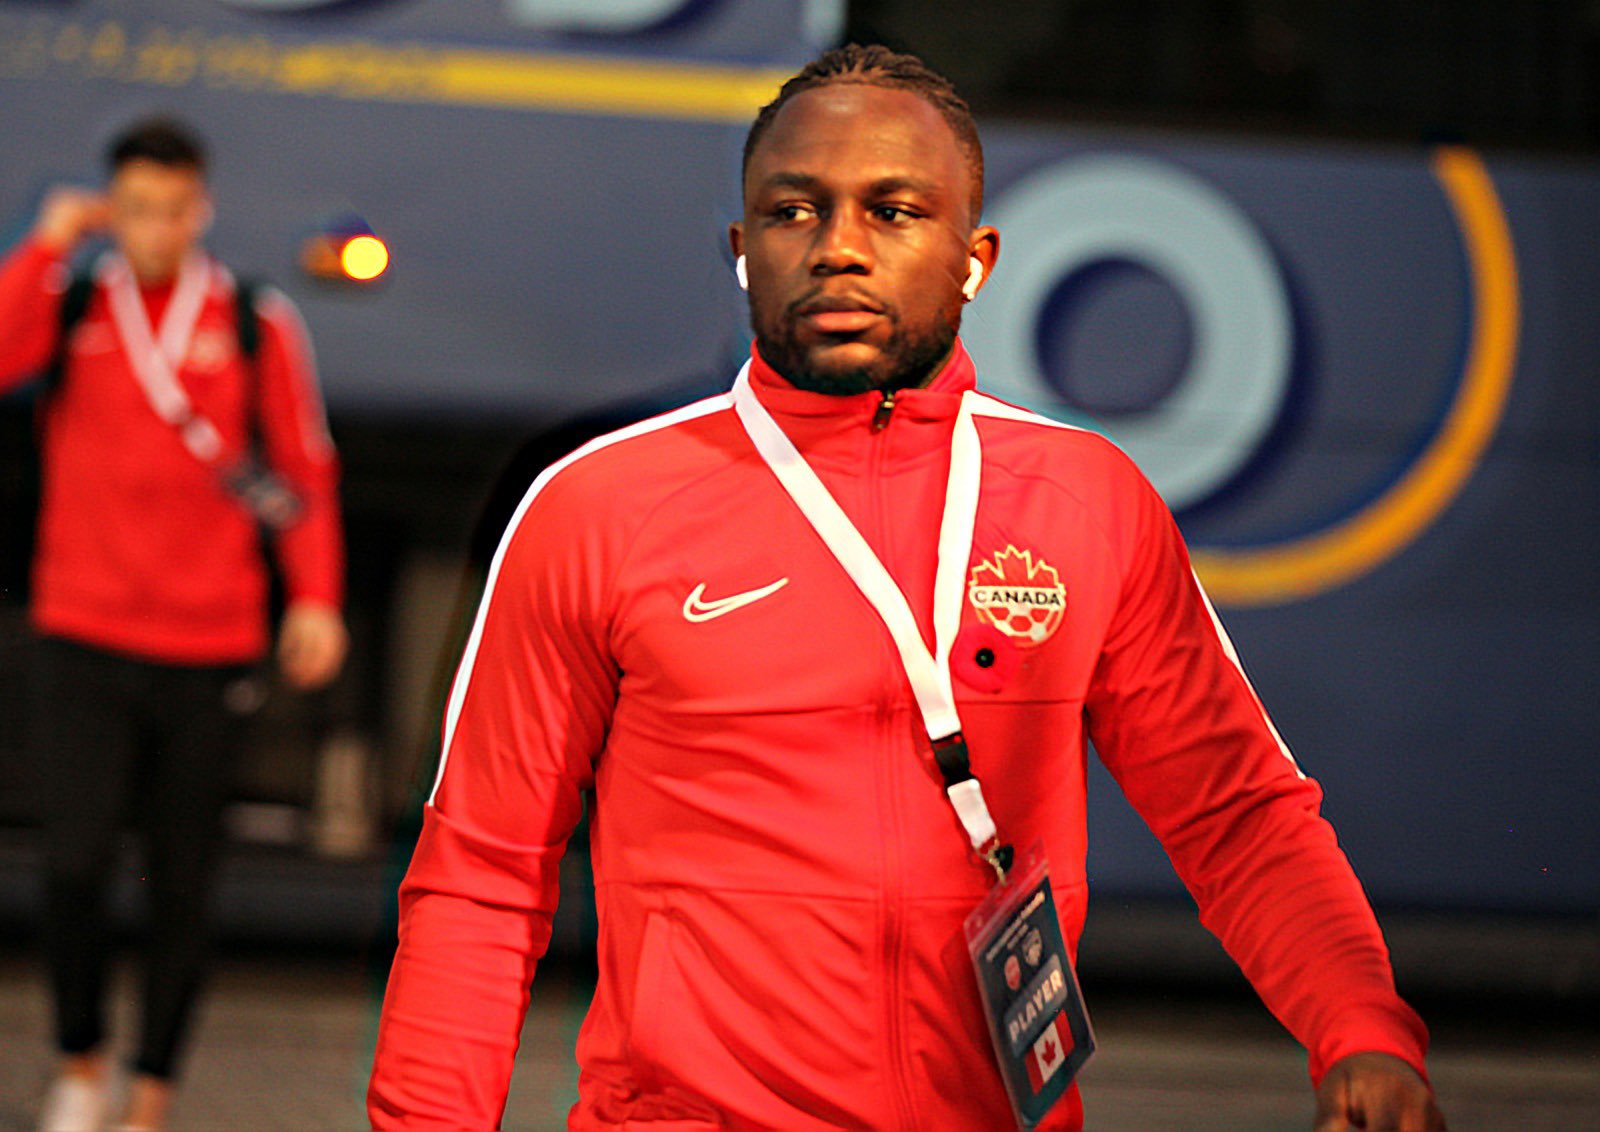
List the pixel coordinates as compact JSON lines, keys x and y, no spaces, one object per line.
{"x":295,"y":431}
{"x":32,"y":280}
{"x":526,"y":718}
{"x":1177,"y":723}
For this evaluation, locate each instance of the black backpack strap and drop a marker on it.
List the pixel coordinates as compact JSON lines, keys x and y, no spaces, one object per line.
{"x":247,"y":325}
{"x":245,"y":291}
{"x":274,"y":504}
{"x":74,"y":303}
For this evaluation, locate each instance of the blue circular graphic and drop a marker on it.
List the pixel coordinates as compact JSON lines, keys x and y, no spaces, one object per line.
{"x":1131,"y":209}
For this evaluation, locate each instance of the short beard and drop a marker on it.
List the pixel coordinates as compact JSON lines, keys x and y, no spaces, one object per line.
{"x":907,"y":361}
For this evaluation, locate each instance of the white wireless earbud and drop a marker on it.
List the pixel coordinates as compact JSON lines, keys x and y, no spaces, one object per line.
{"x":969,"y":289}
{"x":741,"y":274}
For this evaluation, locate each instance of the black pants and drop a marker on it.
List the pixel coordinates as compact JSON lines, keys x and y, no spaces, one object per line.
{"x":120,"y":740}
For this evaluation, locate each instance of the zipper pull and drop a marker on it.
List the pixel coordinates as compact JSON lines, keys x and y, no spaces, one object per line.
{"x":880,"y":419}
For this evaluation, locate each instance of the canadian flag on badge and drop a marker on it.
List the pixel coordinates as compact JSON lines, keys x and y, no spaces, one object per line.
{"x":1047,"y":1055}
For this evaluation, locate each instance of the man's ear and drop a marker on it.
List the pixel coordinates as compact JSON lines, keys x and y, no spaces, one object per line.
{"x":736,"y":242}
{"x":984,"y":246}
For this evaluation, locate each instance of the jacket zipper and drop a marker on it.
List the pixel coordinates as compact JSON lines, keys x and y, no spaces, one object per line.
{"x":893,"y":913}
{"x":893,"y":929}
{"x":880,"y":417}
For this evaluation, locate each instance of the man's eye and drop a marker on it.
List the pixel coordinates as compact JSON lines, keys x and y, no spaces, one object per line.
{"x":792,"y":212}
{"x":893,"y":213}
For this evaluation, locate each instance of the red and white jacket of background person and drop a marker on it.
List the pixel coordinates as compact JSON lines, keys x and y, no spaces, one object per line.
{"x":140,"y":549}
{"x":781,"y":881}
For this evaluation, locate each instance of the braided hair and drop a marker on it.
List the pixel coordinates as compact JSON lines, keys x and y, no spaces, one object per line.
{"x":875,"y":65}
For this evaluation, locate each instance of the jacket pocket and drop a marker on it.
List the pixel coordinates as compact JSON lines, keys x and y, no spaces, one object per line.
{"x":668,"y":1096}
{"x":655,"y":987}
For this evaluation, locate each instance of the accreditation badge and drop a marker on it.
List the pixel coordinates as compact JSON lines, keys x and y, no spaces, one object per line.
{"x":1037,"y":1020}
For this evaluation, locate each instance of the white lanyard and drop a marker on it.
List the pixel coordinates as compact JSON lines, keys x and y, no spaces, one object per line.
{"x":929,"y":673}
{"x":156,"y":356}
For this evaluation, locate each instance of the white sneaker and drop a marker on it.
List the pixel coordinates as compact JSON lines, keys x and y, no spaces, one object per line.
{"x":74,"y":1104}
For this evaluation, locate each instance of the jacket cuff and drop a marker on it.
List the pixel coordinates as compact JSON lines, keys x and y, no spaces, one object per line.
{"x":315,"y":598}
{"x":1392,"y":1028}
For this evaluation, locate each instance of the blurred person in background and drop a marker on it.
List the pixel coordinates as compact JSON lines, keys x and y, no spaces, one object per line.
{"x":777,"y":638}
{"x":179,"y":415}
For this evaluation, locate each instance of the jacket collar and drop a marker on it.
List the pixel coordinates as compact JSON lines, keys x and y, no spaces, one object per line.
{"x":939,"y":398}
{"x":840,"y":435}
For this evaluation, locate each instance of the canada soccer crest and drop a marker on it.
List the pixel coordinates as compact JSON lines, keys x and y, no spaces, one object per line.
{"x":1021,"y":597}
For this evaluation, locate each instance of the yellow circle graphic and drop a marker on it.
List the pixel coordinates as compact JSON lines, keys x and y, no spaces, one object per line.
{"x":1288,"y":571}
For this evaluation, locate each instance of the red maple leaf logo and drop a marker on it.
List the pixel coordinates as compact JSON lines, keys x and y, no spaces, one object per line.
{"x":1051,"y":1051}
{"x":1021,"y":596}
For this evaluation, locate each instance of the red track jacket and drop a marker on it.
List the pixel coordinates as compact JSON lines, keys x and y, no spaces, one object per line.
{"x":140,"y":550}
{"x":781,"y":882}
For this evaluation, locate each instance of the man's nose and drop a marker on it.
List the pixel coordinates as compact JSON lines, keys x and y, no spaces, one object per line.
{"x":844,"y":245}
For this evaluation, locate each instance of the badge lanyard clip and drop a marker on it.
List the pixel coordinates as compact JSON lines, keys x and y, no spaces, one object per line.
{"x":966,"y":795}
{"x":928,"y":672}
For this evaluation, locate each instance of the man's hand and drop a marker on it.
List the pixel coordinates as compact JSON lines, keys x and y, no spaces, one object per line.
{"x":312,"y":645}
{"x":1376,"y":1092}
{"x":67,"y":215}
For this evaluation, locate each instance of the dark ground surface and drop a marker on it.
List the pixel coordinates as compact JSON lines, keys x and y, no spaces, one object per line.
{"x":286,"y":1033}
{"x":286,"y":1040}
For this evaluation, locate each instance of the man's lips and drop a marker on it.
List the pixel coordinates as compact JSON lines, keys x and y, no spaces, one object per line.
{"x":839,"y":314}
{"x":841,"y":322}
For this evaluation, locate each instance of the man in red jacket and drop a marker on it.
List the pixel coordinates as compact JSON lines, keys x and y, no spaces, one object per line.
{"x":814,"y":649}
{"x":149,"y":591}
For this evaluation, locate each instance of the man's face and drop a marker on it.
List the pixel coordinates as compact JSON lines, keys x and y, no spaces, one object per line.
{"x":857,"y":234}
{"x":158,"y":214}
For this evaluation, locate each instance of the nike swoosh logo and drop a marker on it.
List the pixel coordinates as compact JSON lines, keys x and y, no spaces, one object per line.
{"x":694,"y":609}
